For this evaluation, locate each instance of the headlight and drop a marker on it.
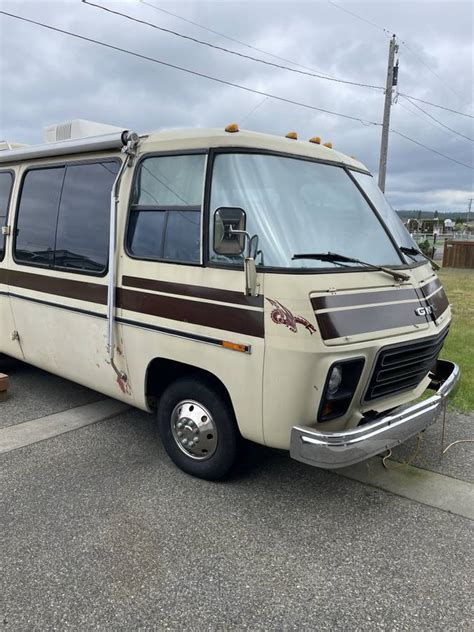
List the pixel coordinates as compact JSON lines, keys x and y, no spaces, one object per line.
{"x":335,"y":379}
{"x":341,"y":383}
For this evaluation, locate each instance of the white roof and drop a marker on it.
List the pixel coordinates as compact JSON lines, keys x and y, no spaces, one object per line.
{"x":198,"y":138}
{"x":181,"y":139}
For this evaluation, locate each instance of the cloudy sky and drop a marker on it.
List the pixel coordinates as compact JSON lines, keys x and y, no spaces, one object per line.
{"x":47,"y":77}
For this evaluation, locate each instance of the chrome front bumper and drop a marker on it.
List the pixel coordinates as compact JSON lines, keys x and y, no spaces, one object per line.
{"x":331,"y":450}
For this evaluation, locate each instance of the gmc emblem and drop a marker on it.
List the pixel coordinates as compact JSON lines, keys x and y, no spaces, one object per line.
{"x":424,"y":311}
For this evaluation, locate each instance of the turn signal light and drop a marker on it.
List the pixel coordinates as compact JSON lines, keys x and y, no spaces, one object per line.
{"x":292,"y":135}
{"x":315,"y":139}
{"x":328,"y":145}
{"x":235,"y":347}
{"x":233,"y":127}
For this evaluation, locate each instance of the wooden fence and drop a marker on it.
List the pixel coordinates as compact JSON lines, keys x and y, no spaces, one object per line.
{"x":458,"y":254}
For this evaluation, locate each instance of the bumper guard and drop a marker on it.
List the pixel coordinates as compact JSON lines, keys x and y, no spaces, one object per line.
{"x":331,"y":450}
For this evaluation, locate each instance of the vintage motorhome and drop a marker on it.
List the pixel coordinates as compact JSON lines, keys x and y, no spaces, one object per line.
{"x":235,"y":284}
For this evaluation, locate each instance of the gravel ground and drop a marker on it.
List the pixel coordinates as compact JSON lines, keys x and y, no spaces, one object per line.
{"x":100,"y":531}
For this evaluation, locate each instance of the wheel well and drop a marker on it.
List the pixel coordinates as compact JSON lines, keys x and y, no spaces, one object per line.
{"x":162,"y":372}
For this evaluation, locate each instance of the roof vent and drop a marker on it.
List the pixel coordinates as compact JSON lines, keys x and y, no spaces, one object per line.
{"x":78,"y":128}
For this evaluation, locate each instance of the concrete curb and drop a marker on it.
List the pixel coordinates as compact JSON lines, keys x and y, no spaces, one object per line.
{"x":21,"y":435}
{"x":423,"y":486}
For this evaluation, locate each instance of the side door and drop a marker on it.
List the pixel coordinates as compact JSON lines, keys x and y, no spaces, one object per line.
{"x":173,"y":306}
{"x":8,"y":344}
{"x":59,"y":267}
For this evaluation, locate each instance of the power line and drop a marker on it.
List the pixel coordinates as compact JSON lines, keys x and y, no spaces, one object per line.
{"x":265,"y":52}
{"x":434,"y":151}
{"x":435,"y":105}
{"x":410,"y":50}
{"x":188,"y":70}
{"x":227,"y":50}
{"x":231,"y":39}
{"x":437,"y":121}
{"x":223,"y":81}
{"x":434,"y":73}
{"x":422,"y":118}
{"x":359,"y":17}
{"x":254,"y":109}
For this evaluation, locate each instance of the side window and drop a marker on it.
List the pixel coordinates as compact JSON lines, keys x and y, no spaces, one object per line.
{"x":37,"y":216}
{"x":63,"y":216}
{"x":6,"y":183}
{"x":82,"y":234}
{"x":165,"y":216}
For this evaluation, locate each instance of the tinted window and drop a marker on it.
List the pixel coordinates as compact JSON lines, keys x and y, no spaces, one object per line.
{"x":63,"y":216}
{"x":170,"y":181}
{"x":6,"y":181}
{"x":82,"y":236}
{"x":182,"y":236}
{"x":165,"y":220}
{"x":146,"y":234}
{"x":37,"y":215}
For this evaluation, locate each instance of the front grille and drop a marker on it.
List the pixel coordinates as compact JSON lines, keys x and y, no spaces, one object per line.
{"x":402,"y":367}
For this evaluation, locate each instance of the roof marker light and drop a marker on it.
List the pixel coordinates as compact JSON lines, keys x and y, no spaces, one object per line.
{"x":232,"y":127}
{"x":315,"y":139}
{"x":328,"y":145}
{"x":292,"y":135}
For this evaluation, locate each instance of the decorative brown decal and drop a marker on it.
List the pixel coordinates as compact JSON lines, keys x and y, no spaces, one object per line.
{"x":195,"y":291}
{"x":239,"y":320}
{"x":281,"y":315}
{"x":375,"y":311}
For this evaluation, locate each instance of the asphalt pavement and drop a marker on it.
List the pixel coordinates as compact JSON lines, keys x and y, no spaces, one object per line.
{"x":100,"y":531}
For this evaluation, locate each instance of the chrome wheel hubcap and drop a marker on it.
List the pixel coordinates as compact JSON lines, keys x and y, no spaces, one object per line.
{"x":194,"y":430}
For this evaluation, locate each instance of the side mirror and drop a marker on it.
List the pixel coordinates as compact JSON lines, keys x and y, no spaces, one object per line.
{"x":229,"y":231}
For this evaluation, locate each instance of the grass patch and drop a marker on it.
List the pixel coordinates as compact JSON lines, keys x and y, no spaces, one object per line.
{"x":459,"y":346}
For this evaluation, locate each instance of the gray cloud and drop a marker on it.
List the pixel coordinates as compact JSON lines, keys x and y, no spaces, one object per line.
{"x":47,"y":77}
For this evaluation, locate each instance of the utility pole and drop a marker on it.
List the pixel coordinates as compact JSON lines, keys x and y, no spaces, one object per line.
{"x":469,"y":212}
{"x":392,"y":77}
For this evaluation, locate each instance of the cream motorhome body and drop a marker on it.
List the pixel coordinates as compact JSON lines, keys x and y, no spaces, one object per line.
{"x":239,"y":284}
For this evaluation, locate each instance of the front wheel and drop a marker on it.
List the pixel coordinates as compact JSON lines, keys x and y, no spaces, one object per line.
{"x":198,"y":429}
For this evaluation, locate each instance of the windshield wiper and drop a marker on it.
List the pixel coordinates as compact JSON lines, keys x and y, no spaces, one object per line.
{"x":411,"y":252}
{"x":333,"y":257}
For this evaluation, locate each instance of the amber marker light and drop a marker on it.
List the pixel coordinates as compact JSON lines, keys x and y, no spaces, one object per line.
{"x":233,"y":346}
{"x":328,"y":145}
{"x":232,"y":128}
{"x":292,"y":135}
{"x":315,"y":139}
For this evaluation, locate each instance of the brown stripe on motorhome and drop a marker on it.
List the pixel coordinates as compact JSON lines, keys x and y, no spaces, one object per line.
{"x":430,"y":287}
{"x":364,"y":320}
{"x":363,"y":298}
{"x":243,"y":321}
{"x":68,"y":288}
{"x":235,"y":319}
{"x":333,"y":301}
{"x":439,"y":302}
{"x":195,"y":291}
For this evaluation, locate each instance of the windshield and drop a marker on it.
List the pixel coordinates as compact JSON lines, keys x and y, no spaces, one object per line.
{"x":391,"y":219}
{"x":298,"y":206}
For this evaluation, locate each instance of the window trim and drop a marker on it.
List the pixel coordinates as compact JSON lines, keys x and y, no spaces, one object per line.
{"x":146,"y":207}
{"x":12,"y":173}
{"x":64,"y":164}
{"x":214,"y":152}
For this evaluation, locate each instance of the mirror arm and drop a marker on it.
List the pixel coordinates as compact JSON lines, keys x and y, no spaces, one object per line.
{"x":233,"y":231}
{"x":251,"y":285}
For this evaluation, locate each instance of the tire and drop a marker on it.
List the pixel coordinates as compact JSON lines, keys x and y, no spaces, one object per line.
{"x":200,"y":415}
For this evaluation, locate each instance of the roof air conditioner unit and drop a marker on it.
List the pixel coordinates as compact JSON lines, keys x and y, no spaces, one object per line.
{"x":78,"y":128}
